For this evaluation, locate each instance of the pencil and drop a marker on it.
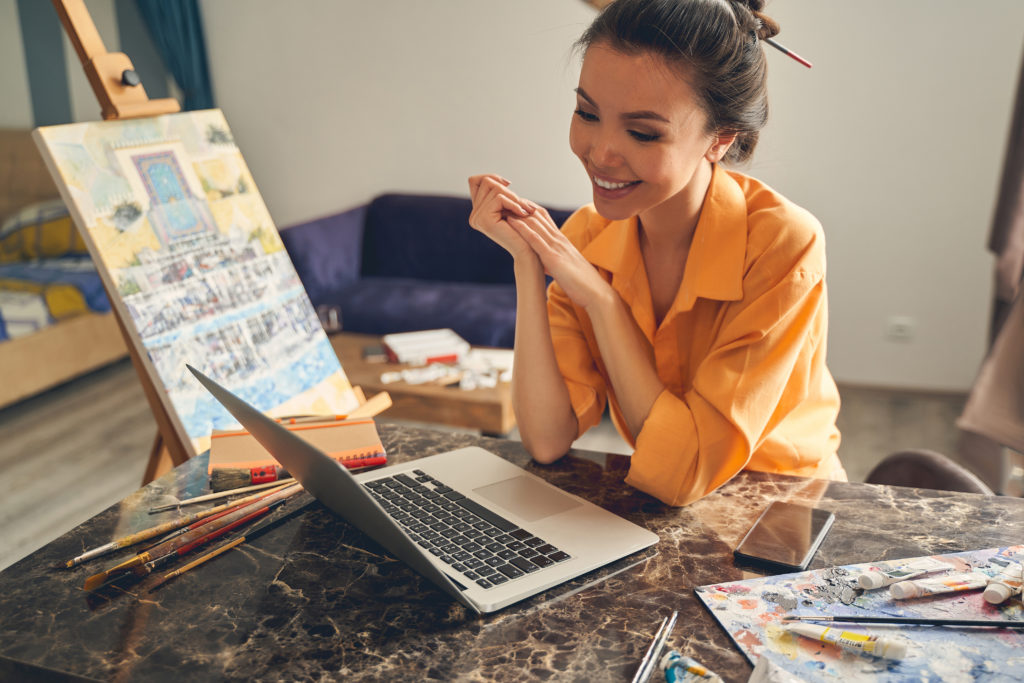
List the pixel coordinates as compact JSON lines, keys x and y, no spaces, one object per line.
{"x":915,"y":621}
{"x":786,"y":51}
{"x":159,"y":529}
{"x":221,"y":494}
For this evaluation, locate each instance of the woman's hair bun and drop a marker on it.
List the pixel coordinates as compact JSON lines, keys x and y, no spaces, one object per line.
{"x":763,"y":25}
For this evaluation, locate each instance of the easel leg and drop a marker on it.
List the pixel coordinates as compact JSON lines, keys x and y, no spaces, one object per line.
{"x":160,"y":461}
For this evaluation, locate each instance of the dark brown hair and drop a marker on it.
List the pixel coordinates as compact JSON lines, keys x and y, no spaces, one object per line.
{"x":715,"y":44}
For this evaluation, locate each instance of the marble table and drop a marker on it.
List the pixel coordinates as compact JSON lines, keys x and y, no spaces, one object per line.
{"x":315,"y":599}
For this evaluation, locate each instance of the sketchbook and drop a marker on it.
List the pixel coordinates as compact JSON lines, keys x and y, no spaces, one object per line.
{"x":747,"y":609}
{"x":347,"y":441}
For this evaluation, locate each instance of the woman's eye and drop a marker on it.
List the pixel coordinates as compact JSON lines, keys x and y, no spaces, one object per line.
{"x":585,"y":115}
{"x":644,"y":137}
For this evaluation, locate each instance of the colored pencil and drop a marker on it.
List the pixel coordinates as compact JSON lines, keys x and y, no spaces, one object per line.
{"x":786,"y":51}
{"x":915,"y":621}
{"x":158,"y":530}
{"x":250,"y":534}
{"x":219,"y":495}
{"x":97,"y":580}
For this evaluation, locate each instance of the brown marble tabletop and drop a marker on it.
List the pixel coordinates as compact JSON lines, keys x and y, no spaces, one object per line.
{"x":315,"y":599}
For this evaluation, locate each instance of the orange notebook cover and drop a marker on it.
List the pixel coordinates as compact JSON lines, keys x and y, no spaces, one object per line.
{"x":344,"y":440}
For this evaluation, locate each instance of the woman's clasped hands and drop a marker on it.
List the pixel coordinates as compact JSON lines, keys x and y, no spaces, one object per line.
{"x":527,"y":232}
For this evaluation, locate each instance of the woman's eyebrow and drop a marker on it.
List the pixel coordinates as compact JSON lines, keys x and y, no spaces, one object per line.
{"x":633,"y":115}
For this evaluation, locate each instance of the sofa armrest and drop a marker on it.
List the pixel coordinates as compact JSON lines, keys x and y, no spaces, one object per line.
{"x":326,"y":253}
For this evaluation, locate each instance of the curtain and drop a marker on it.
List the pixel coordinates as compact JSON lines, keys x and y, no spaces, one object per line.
{"x":177,"y":30}
{"x":994,"y":414}
{"x":1006,"y":240}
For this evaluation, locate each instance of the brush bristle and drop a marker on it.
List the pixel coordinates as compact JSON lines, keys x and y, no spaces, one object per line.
{"x":227,"y":479}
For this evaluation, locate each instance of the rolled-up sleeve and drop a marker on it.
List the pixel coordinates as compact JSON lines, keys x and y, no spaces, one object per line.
{"x":586,"y":385}
{"x":762,"y":362}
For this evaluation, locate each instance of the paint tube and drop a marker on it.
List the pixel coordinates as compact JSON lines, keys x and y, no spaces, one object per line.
{"x":1004,"y":584}
{"x":938,"y":585}
{"x":680,"y":669}
{"x":903,"y":570}
{"x":852,"y":641}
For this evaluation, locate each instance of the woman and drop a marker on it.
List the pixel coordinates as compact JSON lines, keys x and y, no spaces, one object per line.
{"x":691,"y":297}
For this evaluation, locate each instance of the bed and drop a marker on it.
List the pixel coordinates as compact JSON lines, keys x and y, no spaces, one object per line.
{"x":55,"y":318}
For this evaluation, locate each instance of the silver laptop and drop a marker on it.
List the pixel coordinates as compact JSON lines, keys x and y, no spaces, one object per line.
{"x":485,"y":531}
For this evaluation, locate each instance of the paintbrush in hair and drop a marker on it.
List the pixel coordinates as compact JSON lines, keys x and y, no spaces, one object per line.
{"x":158,"y":530}
{"x":224,"y":478}
{"x":97,"y":580}
{"x":250,"y":534}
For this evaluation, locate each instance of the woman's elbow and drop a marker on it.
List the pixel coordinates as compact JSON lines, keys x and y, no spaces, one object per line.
{"x":545,"y":451}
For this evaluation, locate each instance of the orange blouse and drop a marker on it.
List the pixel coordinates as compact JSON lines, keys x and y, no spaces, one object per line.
{"x":741,"y":351}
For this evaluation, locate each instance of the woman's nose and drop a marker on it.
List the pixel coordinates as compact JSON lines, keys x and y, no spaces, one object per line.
{"x":603,"y":152}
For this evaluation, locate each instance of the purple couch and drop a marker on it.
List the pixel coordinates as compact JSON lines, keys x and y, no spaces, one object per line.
{"x":409,"y":262}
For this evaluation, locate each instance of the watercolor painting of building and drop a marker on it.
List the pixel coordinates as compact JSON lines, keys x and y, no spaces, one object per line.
{"x":195,"y":267}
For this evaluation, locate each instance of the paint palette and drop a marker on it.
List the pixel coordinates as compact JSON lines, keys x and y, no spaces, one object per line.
{"x":751,"y":612}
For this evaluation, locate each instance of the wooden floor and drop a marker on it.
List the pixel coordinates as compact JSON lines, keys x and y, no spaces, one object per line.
{"x":69,"y":453}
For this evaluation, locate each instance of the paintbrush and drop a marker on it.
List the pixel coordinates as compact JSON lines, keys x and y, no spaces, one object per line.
{"x":222,"y":494}
{"x":97,"y":580}
{"x":915,"y":621}
{"x":143,"y":570}
{"x":236,"y":477}
{"x":250,"y":534}
{"x":158,"y":530}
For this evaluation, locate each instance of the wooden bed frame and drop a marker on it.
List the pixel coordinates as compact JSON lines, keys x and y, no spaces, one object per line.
{"x":72,"y":347}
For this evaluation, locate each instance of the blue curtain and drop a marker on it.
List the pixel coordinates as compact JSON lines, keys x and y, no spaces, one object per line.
{"x":177,"y":29}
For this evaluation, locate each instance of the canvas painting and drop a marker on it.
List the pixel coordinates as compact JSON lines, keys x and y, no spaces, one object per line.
{"x":751,"y":611}
{"x":195,"y":267}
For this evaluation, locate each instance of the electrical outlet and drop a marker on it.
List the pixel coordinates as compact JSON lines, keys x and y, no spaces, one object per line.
{"x":900,"y":328}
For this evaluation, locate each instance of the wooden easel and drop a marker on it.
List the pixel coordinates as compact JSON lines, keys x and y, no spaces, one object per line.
{"x":121,"y":96}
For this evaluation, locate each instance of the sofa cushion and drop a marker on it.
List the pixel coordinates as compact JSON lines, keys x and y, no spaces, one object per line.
{"x":482,"y":314}
{"x":326,"y":253}
{"x":428,"y":237}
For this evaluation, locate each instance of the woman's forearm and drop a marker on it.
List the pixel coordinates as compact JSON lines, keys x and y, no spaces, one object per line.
{"x":540,"y":399}
{"x":627,"y":357}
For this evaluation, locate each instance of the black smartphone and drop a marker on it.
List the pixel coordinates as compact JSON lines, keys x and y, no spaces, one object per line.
{"x":785,"y":536}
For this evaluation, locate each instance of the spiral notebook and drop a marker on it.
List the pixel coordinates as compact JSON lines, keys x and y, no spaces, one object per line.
{"x":351,"y":442}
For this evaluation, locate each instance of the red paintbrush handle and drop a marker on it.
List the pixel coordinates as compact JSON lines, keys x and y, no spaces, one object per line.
{"x":189,"y":547}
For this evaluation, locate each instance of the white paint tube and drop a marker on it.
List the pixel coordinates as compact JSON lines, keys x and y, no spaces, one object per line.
{"x":852,"y":641}
{"x":1006,"y":583}
{"x":938,"y":585}
{"x":902,"y":570}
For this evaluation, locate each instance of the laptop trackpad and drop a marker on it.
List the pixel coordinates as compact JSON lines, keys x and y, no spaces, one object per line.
{"x":528,"y":498}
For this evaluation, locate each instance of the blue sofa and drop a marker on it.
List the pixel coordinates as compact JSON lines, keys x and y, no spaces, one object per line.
{"x":408,"y":262}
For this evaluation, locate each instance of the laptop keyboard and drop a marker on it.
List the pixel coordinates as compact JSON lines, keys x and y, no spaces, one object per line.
{"x":480,"y":545}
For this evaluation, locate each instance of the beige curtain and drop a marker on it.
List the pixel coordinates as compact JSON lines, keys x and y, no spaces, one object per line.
{"x":994,"y":414}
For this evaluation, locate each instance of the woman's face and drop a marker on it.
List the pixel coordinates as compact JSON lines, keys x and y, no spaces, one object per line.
{"x":639,"y":130}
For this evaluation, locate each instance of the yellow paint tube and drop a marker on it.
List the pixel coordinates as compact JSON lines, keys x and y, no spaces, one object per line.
{"x":852,"y":641}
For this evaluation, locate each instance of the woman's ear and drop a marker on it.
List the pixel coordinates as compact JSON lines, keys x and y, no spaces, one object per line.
{"x":719,"y":146}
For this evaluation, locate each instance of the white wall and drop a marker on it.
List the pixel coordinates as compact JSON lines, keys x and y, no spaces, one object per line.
{"x":15,"y":101}
{"x":334,"y":102}
{"x":894,"y":139}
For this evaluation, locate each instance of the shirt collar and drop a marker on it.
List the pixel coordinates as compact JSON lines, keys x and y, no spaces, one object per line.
{"x":714,"y":267}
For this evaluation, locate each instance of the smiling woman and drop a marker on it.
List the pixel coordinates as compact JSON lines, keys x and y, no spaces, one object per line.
{"x":690,"y":297}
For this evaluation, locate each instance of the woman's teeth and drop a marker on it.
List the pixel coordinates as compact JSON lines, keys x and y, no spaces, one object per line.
{"x":607,"y":185}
